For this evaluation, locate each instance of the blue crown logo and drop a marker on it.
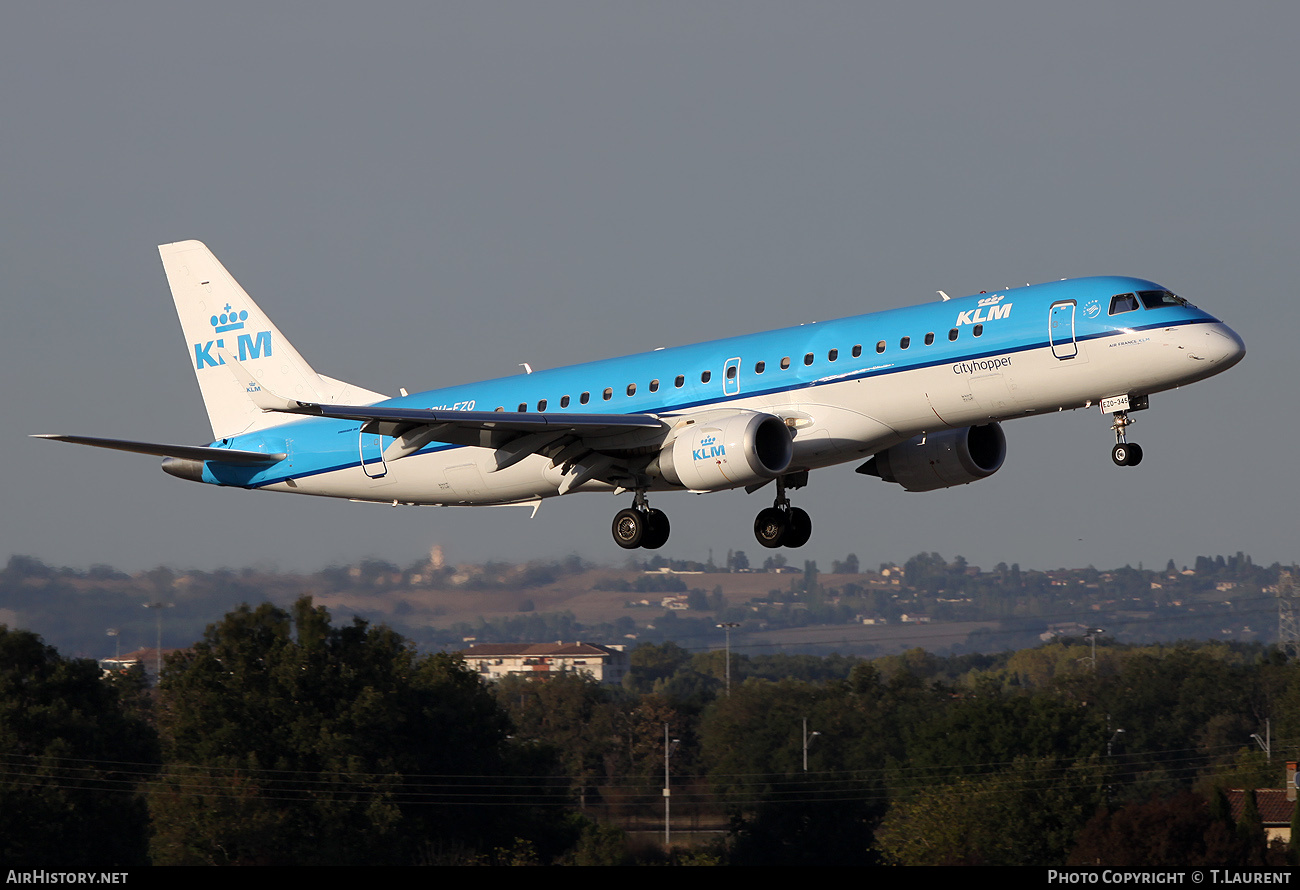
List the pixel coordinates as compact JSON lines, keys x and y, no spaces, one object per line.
{"x":229,"y":320}
{"x":709,"y":441}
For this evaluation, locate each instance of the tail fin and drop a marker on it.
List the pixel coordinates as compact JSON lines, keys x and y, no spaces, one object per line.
{"x":217,"y":315}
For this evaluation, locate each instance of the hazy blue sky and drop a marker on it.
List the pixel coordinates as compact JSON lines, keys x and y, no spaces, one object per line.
{"x":429,"y":193}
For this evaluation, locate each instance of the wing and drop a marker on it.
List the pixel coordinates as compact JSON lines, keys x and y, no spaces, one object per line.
{"x":187,"y":452}
{"x":611,"y":447}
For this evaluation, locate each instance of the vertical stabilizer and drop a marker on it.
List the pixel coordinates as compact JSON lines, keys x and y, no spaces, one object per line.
{"x":217,"y":315}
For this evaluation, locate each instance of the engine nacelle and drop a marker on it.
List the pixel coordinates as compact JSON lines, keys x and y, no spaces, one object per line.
{"x":727,"y":452}
{"x":953,"y":457}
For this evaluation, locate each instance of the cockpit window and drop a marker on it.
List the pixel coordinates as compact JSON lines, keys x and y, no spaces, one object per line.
{"x":1154,"y":299}
{"x":1123,"y":303}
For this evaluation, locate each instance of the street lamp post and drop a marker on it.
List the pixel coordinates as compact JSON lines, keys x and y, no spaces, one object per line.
{"x":806,"y":739}
{"x":1092,"y":636}
{"x":668,"y":750}
{"x":158,"y":607}
{"x":726,"y":627}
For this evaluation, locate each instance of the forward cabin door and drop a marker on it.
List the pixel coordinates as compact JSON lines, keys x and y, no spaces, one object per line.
{"x":1060,"y":330}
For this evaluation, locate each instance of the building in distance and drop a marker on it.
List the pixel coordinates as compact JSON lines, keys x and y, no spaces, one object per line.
{"x":604,"y":664}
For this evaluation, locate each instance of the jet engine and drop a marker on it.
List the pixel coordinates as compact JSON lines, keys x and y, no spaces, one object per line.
{"x":727,"y":452}
{"x":952,"y":457}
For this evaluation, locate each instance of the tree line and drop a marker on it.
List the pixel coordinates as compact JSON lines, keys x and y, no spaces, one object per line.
{"x":281,"y":737}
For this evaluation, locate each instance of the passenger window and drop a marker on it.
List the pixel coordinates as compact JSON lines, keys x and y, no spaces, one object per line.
{"x":929,"y":339}
{"x":585,"y":398}
{"x":952,"y":334}
{"x":880,"y":347}
{"x":808,"y":358}
{"x":1121,"y":303}
{"x":631,"y":389}
{"x":541,"y":404}
{"x":857,"y":350}
{"x":759,"y":367}
{"x":785,"y":363}
{"x":654,"y":386}
{"x":501,"y":409}
{"x":905,"y":342}
{"x":979,"y":329}
{"x":832,"y":355}
{"x":564,"y":402}
{"x":607,"y":394}
{"x":523,"y":406}
{"x":679,"y":382}
{"x":731,"y":372}
{"x":706,"y":376}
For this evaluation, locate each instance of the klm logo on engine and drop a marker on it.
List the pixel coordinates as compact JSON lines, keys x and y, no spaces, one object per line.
{"x":708,"y":450}
{"x":250,"y":346}
{"x":988,"y":310}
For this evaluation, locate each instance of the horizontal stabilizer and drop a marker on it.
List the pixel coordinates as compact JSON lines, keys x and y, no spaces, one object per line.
{"x":187,"y":452}
{"x":260,"y":395}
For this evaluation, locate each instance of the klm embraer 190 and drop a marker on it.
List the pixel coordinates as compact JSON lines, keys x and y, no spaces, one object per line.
{"x":917,"y":394}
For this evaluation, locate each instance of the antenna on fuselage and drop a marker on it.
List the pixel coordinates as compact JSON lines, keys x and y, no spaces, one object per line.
{"x":946,"y":298}
{"x":528,"y":369}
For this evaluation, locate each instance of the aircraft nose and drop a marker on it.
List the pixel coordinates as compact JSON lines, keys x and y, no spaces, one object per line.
{"x":1222,"y":347}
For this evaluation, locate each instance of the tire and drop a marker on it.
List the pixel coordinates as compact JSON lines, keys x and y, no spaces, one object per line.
{"x":629,"y":529}
{"x":799,"y":530}
{"x":1134,"y":454}
{"x":657,"y":529}
{"x":1120,"y":455}
{"x":770,"y":527}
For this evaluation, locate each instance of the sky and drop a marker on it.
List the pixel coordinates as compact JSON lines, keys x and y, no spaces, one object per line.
{"x":423,"y":194}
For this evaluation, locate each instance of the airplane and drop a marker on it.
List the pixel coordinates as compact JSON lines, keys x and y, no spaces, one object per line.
{"x":918,"y":394}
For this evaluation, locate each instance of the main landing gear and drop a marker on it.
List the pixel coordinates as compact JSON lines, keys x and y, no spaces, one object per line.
{"x":1125,"y":453}
{"x":640,"y":526}
{"x":781,"y":525}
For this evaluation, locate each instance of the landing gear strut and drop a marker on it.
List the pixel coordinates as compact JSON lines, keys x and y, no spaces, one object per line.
{"x":640,"y":526}
{"x":781,"y":525}
{"x":1125,"y":453}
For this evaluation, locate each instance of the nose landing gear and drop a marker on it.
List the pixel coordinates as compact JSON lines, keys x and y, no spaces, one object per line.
{"x":1125,"y":453}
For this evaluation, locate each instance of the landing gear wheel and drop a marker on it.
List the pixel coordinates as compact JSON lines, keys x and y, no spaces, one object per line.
{"x":770,"y":527}
{"x":629,"y":529}
{"x":657,"y":528}
{"x":799,"y":529}
{"x":1126,"y":454}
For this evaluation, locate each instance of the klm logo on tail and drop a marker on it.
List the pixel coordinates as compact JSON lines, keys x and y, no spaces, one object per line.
{"x":250,"y":346}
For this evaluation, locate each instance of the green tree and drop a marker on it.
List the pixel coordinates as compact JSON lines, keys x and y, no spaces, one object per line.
{"x":1173,"y":832}
{"x":1025,"y":814}
{"x":571,"y":713}
{"x":72,"y":758}
{"x":304,"y":743}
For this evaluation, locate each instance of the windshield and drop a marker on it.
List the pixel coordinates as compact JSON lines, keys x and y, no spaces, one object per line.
{"x":1154,"y":299}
